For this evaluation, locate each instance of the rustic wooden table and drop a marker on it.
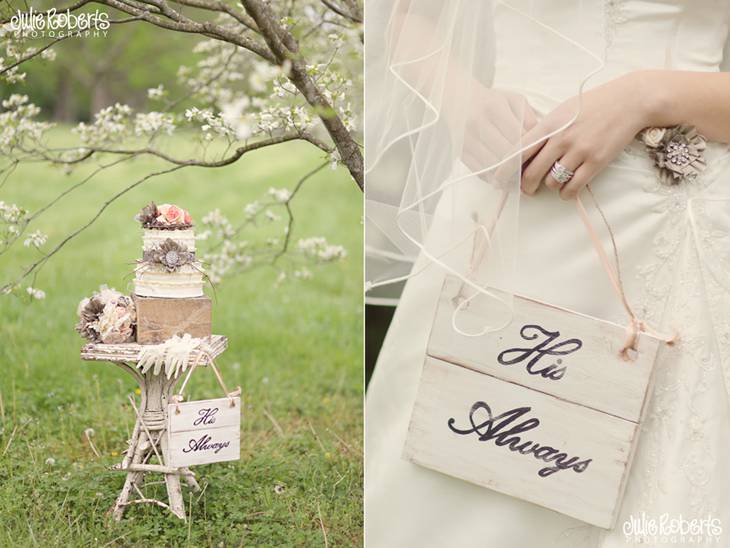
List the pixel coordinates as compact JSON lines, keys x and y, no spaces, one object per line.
{"x":149,"y":436}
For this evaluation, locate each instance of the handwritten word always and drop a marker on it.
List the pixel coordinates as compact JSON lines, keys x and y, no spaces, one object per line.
{"x":503,"y":430}
{"x":203,"y":445}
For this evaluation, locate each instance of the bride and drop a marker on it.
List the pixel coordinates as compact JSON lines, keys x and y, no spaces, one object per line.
{"x":553,"y":100}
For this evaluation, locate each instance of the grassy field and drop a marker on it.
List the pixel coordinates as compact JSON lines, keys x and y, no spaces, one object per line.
{"x":295,"y":349}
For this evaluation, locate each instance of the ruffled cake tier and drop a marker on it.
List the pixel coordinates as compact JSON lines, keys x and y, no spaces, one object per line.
{"x":152,"y":280}
{"x":154,"y":237}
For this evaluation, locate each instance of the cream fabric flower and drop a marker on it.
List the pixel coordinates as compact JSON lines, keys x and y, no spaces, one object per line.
{"x":653,"y":136}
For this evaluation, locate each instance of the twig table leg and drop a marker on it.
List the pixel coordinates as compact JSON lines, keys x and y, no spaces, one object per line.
{"x":149,"y":439}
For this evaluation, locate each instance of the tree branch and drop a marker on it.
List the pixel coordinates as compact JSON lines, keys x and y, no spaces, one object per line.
{"x":172,"y":104}
{"x":57,"y":199}
{"x":32,"y":55}
{"x":285,"y":48}
{"x":352,"y":13}
{"x":220,"y":7}
{"x":37,"y":265}
{"x":240,"y":151}
{"x":175,"y":21}
{"x":290,"y":225}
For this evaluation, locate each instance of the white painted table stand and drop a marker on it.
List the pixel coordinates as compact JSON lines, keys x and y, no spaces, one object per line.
{"x":149,"y":437}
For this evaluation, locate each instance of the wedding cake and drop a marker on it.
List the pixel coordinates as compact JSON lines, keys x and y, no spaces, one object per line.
{"x":168,"y":267}
{"x":168,"y":283}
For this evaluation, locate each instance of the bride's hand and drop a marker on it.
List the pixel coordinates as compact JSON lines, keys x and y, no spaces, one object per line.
{"x":610,"y":117}
{"x":494,"y":127}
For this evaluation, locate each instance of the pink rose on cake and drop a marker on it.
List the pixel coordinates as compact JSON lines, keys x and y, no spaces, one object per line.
{"x":170,"y":214}
{"x":164,"y":216}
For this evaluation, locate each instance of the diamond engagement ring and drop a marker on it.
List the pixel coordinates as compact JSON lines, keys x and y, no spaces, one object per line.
{"x":561,"y":173}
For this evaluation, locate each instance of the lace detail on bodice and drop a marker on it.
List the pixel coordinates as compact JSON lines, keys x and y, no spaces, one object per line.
{"x":613,"y":16}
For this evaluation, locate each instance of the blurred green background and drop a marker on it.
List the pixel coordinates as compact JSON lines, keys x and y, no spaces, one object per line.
{"x":295,"y":348}
{"x":91,"y":73}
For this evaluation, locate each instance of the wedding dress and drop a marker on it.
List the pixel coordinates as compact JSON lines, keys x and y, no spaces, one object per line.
{"x":674,"y":245}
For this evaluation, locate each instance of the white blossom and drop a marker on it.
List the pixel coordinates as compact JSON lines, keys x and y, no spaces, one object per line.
{"x":11,"y":213}
{"x":35,"y":293}
{"x":280,"y":194}
{"x":156,"y":93}
{"x":48,"y":54}
{"x":271,"y":216}
{"x":17,"y":124}
{"x":35,"y":239}
{"x":336,"y":40}
{"x":318,"y":248}
{"x":209,"y":123}
{"x":111,"y":124}
{"x":151,"y":123}
{"x":252,"y":209}
{"x":235,"y":115}
{"x":303,"y":274}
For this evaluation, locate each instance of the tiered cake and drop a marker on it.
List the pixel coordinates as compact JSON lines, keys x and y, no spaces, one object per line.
{"x":169,"y":268}
{"x":168,"y":285}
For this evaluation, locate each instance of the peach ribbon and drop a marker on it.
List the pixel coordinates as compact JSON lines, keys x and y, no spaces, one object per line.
{"x":636,"y":325}
{"x":202,"y":358}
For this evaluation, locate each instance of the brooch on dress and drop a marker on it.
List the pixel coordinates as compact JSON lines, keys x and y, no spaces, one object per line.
{"x":678,"y":152}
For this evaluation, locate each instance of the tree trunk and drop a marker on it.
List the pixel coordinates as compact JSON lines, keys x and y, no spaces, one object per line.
{"x":100,"y":94}
{"x":64,"y":109}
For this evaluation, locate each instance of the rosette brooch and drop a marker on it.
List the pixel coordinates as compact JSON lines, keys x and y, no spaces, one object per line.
{"x":678,"y":152}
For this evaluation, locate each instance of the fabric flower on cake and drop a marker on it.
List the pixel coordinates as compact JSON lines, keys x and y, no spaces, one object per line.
{"x":107,"y":317}
{"x":164,"y":216}
{"x":169,"y":254}
{"x":678,"y":152}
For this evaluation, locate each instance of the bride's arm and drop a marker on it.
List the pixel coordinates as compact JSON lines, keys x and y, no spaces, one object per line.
{"x":611,"y":116}
{"x":701,"y":99}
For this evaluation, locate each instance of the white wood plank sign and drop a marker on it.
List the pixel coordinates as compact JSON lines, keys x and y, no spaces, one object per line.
{"x":569,"y":355}
{"x":544,"y":409}
{"x":203,"y":431}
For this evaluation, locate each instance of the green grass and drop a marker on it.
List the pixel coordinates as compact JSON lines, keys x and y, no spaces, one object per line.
{"x":295,"y":349}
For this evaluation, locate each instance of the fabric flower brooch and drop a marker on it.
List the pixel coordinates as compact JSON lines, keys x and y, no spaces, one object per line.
{"x":678,"y":152}
{"x":169,"y":254}
{"x":107,"y":317}
{"x":164,"y":216}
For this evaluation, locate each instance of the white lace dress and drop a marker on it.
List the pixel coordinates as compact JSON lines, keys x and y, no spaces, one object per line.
{"x":674,"y":244}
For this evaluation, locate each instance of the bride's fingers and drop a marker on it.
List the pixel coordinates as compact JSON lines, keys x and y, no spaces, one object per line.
{"x":529,"y":118}
{"x":535,"y":133}
{"x":499,"y":115}
{"x":581,"y":178}
{"x":570,"y":162}
{"x":540,"y":165}
{"x":477,"y":157}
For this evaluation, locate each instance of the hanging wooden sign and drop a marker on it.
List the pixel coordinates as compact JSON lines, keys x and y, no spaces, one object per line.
{"x":544,"y":409}
{"x":204,"y":431}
